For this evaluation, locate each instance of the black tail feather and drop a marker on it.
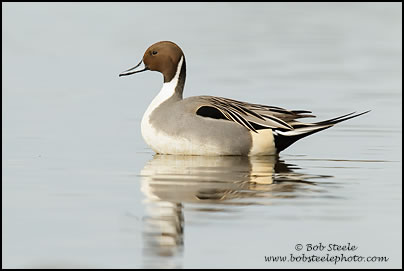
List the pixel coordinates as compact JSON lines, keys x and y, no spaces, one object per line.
{"x":285,"y":139}
{"x":340,"y":118}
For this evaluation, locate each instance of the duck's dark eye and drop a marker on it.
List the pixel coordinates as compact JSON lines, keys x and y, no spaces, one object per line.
{"x":154,"y":53}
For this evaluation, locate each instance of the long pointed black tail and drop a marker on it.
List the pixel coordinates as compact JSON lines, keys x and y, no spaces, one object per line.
{"x":284,"y":139}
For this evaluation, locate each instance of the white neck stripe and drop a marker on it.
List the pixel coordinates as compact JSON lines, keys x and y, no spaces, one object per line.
{"x":166,"y":92}
{"x":177,"y":73}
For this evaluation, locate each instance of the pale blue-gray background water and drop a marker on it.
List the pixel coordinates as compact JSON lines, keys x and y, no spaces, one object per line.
{"x":82,"y":189}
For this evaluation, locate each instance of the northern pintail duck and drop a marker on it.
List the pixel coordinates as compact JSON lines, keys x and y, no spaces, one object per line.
{"x":208,"y":125}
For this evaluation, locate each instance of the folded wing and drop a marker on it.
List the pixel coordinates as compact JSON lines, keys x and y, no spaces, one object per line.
{"x":252,"y":116}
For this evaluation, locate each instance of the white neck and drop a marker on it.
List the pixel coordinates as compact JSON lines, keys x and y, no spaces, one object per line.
{"x":166,"y":92}
{"x":149,"y":133}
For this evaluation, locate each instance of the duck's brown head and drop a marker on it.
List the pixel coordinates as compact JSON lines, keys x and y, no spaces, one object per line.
{"x":163,"y":56}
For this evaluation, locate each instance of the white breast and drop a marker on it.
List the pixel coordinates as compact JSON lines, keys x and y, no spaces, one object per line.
{"x":159,"y":141}
{"x":163,"y":143}
{"x":156,"y":139}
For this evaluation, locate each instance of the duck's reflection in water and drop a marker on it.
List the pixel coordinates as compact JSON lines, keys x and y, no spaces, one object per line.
{"x":169,"y":182}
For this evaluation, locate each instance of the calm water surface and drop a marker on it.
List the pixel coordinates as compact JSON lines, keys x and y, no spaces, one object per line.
{"x":82,"y":189}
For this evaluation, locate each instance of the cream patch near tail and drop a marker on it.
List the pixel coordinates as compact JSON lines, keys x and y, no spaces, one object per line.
{"x":262,"y":143}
